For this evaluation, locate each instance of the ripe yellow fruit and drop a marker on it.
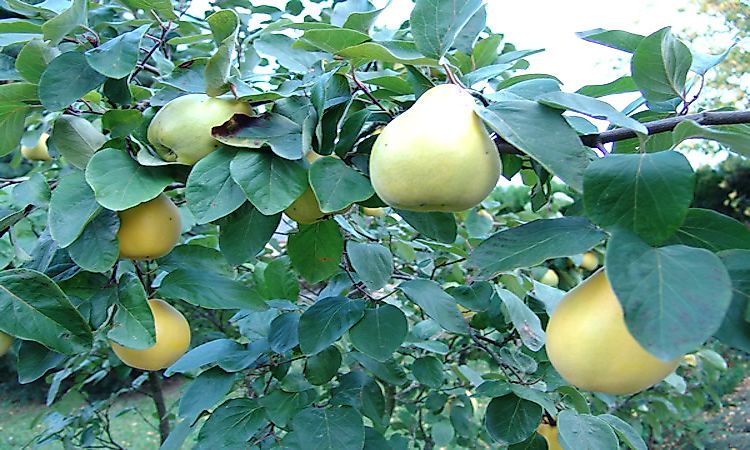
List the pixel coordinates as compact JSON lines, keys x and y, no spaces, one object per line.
{"x":149,"y":230}
{"x":589,"y":343}
{"x":550,"y":435}
{"x":305,"y":209}
{"x":172,"y":340}
{"x":5,"y":342}
{"x":590,"y":261}
{"x":373,"y":212}
{"x":39,"y":151}
{"x":437,"y":156}
{"x":181,"y":130}
{"x":550,"y":278}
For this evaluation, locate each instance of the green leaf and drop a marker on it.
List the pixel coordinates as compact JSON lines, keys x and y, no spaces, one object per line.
{"x":321,"y":367}
{"x":706,"y":228}
{"x":67,"y":78}
{"x":210,"y":353}
{"x":71,"y":208}
{"x":617,"y":39}
{"x":58,"y":27}
{"x":511,"y":419}
{"x":34,"y":191}
{"x":660,"y":65}
{"x":231,"y":425}
{"x":225,"y":293}
{"x":337,"y":185}
{"x":133,"y":324}
{"x":372,"y":262}
{"x":32,"y":307}
{"x":591,"y":107}
{"x":735,"y":329}
{"x":626,"y":432}
{"x":117,"y":57}
{"x":334,"y":428}
{"x":467,"y":38}
{"x":428,"y":370}
{"x":440,"y":226}
{"x":34,"y":361}
{"x":224,"y":27}
{"x":477,"y":296}
{"x":359,"y":391}
{"x":33,"y":59}
{"x":280,"y":47}
{"x":585,"y":432}
{"x":245,"y":232}
{"x":210,"y":191}
{"x":435,"y":24}
{"x":527,"y":324}
{"x":647,"y":193}
{"x":355,"y":14}
{"x":135,"y":183}
{"x":733,"y":136}
{"x":195,"y":257}
{"x":12,"y":120}
{"x":122,"y":122}
{"x":279,"y":281}
{"x":209,"y":388}
{"x":283,"y":334}
{"x":619,"y":86}
{"x":381,"y":331}
{"x":389,"y":52}
{"x":533,"y":243}
{"x":270,"y":183}
{"x":436,"y":303}
{"x":281,"y":406}
{"x":97,"y":248}
{"x":543,"y":134}
{"x":326,"y":321}
{"x":76,"y":139}
{"x":674,"y":298}
{"x":334,"y":40}
{"x":281,"y":133}
{"x":316,"y":250}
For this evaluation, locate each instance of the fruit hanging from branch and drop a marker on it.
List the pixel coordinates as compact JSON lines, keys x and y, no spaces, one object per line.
{"x":149,"y":230}
{"x":172,"y":340}
{"x":181,"y":130}
{"x":437,"y":156}
{"x":589,"y":343}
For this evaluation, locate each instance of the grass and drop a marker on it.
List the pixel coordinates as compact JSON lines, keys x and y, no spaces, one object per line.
{"x":130,"y":430}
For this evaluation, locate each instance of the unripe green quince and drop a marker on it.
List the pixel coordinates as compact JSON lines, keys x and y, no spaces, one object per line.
{"x":181,"y":130}
{"x":437,"y":156}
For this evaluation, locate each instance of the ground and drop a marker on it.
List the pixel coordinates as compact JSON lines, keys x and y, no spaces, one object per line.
{"x":128,"y":429}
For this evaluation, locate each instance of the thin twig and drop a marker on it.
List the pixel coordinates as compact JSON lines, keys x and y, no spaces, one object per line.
{"x":369,"y":95}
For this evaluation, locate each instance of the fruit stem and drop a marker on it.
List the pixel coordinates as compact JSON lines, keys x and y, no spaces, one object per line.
{"x":451,"y":76}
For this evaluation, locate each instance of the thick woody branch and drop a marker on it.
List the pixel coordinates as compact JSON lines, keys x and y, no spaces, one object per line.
{"x":654,"y":127}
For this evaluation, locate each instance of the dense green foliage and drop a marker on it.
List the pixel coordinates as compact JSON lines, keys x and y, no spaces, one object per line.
{"x":411,"y":330}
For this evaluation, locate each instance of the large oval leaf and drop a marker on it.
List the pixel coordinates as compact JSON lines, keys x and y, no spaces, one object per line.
{"x":674,"y":298}
{"x":32,"y":307}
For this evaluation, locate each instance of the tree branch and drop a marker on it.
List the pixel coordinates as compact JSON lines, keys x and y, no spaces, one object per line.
{"x":654,"y":127}
{"x":157,"y":394}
